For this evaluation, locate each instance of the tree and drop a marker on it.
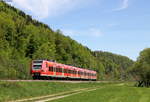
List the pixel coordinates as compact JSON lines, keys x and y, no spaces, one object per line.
{"x":141,"y":69}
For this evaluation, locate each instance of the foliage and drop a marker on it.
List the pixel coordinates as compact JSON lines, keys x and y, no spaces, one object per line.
{"x":115,"y":66}
{"x":141,"y":69}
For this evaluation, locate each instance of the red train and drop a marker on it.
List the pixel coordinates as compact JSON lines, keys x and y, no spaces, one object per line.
{"x":53,"y":70}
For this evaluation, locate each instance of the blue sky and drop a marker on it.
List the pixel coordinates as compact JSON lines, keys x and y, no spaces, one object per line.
{"x":118,"y":26}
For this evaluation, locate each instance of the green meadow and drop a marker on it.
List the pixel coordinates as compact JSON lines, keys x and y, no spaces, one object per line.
{"x":20,"y":90}
{"x":105,"y":92}
{"x":111,"y":93}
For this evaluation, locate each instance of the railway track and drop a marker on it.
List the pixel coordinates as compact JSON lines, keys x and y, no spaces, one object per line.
{"x":65,"y":81}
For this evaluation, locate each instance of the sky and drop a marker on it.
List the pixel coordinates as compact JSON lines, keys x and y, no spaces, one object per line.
{"x":117,"y":26}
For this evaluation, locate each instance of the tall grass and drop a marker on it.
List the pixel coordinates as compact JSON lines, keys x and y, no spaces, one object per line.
{"x":111,"y":93}
{"x":19,"y":90}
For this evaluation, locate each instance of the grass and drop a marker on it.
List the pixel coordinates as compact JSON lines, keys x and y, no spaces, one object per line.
{"x":111,"y":93}
{"x":18,"y":90}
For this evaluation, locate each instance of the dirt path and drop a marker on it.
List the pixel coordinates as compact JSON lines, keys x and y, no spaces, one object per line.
{"x":56,"y":96}
{"x":62,"y":96}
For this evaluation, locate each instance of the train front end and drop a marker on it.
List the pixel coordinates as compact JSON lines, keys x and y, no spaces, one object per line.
{"x":36,"y":68}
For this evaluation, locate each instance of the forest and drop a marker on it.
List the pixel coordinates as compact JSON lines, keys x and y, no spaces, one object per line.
{"x":23,"y":39}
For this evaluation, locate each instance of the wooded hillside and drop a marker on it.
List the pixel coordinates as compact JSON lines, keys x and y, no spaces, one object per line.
{"x":23,"y":39}
{"x":115,"y":66}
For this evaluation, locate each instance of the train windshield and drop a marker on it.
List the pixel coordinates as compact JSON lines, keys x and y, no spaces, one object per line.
{"x":37,"y":64}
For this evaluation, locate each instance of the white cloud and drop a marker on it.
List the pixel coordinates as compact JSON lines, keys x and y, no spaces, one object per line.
{"x":44,"y":8}
{"x":112,"y":24}
{"x":95,"y":32}
{"x":124,"y":5}
{"x":91,"y":32}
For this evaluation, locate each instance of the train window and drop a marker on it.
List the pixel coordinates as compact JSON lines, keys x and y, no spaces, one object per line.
{"x":51,"y":69}
{"x":65,"y":71}
{"x":37,"y":66}
{"x":69,"y":71}
{"x":60,"y":69}
{"x":57,"y":69}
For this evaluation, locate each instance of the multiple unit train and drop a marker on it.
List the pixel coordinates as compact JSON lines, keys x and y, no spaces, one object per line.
{"x":53,"y":70}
